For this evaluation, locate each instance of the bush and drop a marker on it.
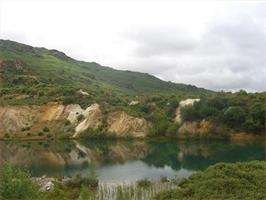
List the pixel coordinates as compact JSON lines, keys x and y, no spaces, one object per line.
{"x":40,"y":134}
{"x":90,"y":181}
{"x":80,"y":118}
{"x":234,"y":115}
{"x":223,"y":181}
{"x":172,"y":129}
{"x":145,"y":183}
{"x":16,"y":184}
{"x":25,"y":129}
{"x":85,"y":194}
{"x":46,"y":129}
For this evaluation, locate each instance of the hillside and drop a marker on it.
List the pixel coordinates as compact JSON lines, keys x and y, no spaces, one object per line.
{"x":38,"y":75}
{"x":44,"y":91}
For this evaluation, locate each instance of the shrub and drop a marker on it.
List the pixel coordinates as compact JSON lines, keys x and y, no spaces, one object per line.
{"x":88,"y":181}
{"x":85,"y":194}
{"x":172,"y":129}
{"x":223,"y":181}
{"x":40,"y":134}
{"x":80,"y":118}
{"x":164,"y":179}
{"x":234,"y":115}
{"x":46,"y":129}
{"x":145,"y":183}
{"x":25,"y":129}
{"x":16,"y":184}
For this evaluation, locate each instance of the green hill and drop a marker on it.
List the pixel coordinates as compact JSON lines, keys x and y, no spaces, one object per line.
{"x":33,"y":75}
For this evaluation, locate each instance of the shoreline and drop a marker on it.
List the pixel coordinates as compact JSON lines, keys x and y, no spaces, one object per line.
{"x":233,"y":138}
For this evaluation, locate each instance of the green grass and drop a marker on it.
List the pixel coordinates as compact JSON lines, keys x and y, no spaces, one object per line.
{"x":58,"y":77}
{"x":223,"y":181}
{"x":16,"y":184}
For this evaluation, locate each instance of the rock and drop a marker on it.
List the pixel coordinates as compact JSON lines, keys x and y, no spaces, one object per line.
{"x":93,"y":119}
{"x":83,"y":93}
{"x":74,"y":111}
{"x":187,"y":102}
{"x":45,"y":183}
{"x":132,"y":103}
{"x":195,"y":129}
{"x":51,"y":111}
{"x":122,"y":124}
{"x":14,"y":118}
{"x":48,"y":186}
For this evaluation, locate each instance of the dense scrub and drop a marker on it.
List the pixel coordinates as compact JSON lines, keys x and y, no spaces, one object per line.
{"x":223,"y":181}
{"x":239,"y":111}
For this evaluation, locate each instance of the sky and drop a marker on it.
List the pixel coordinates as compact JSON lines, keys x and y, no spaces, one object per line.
{"x":218,"y":45}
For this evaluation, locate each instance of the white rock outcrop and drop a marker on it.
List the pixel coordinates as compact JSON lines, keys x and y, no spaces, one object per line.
{"x":187,"y":102}
{"x":92,"y":119}
{"x":132,"y":103}
{"x":83,"y":92}
{"x":74,"y":111}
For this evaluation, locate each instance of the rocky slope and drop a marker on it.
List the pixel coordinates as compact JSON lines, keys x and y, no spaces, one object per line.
{"x":69,"y":120}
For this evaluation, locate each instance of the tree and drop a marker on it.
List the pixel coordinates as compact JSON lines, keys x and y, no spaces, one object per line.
{"x":234,"y":116}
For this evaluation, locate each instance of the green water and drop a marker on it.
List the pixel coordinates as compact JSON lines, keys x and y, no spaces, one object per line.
{"x":125,"y":161}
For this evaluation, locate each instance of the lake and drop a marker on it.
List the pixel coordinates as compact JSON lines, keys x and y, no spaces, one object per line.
{"x":116,"y":161}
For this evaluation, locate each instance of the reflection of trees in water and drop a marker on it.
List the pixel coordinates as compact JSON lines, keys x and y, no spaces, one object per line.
{"x":199,"y":155}
{"x":162,"y":154}
{"x":68,"y":156}
{"x":116,"y":151}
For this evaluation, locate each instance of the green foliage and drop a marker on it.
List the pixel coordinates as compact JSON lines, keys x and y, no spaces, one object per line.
{"x":58,"y":193}
{"x":45,"y":76}
{"x":223,"y":181}
{"x":172,"y":129}
{"x":240,"y":111}
{"x":144,"y":183}
{"x":80,"y":117}
{"x":16,"y":184}
{"x":90,"y":181}
{"x":234,"y":115}
{"x":46,"y":129}
{"x":85,"y":194}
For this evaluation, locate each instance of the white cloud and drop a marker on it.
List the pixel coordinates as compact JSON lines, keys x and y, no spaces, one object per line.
{"x":216,"y":45}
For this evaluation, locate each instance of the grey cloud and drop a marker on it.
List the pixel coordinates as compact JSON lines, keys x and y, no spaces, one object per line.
{"x":230,"y":55}
{"x":164,"y":40}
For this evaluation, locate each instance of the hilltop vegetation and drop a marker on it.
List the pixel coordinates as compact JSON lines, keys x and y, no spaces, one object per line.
{"x":36,"y":75}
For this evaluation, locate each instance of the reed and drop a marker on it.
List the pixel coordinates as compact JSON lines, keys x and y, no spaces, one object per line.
{"x":130,"y":191}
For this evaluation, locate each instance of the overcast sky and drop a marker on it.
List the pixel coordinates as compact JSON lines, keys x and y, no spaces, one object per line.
{"x":219,"y":45}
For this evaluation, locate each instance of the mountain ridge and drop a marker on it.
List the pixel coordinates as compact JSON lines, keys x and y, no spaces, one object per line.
{"x":24,"y":67}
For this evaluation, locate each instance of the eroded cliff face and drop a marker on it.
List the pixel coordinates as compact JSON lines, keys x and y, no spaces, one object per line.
{"x":121,"y":124}
{"x":20,"y":121}
{"x":195,"y":129}
{"x":13,"y":118}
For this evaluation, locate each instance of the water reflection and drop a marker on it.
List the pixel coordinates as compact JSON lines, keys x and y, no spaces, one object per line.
{"x":125,"y":160}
